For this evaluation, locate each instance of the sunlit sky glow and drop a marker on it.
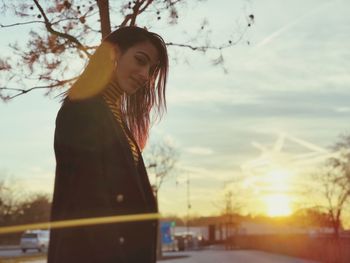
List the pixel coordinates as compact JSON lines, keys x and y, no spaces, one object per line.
{"x":292,"y":79}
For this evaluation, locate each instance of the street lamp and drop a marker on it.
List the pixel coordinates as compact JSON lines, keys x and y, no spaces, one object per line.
{"x":188,"y":203}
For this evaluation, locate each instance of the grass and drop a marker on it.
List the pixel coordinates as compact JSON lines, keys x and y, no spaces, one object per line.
{"x":22,"y":259}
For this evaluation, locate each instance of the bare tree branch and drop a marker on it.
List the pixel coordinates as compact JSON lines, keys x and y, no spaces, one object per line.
{"x":137,"y":10}
{"x":24,"y":91}
{"x":45,"y":51}
{"x":207,"y":47}
{"x":146,"y":5}
{"x":49,"y":28}
{"x":23,"y":23}
{"x":162,"y":159}
{"x":335,"y":188}
{"x":71,"y":18}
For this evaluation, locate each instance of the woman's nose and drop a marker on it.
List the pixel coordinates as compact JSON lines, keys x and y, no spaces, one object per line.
{"x":144,"y":74}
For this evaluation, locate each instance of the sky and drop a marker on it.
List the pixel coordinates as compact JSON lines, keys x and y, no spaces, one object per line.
{"x":286,"y":90}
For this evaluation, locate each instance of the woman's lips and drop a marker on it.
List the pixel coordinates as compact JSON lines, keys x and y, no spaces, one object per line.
{"x":138,"y":83}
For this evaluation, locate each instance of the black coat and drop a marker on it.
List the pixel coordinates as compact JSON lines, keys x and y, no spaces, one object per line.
{"x":96,"y":176}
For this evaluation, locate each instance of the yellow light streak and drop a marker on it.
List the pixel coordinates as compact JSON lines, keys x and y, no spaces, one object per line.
{"x":80,"y":222}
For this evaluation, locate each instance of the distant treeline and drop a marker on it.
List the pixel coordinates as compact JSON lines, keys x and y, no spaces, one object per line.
{"x":15,"y":209}
{"x":301,"y":218}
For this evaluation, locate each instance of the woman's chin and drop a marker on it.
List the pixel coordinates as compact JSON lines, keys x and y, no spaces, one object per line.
{"x":130,"y":90}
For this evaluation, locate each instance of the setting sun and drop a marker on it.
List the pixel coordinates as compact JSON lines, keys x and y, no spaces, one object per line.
{"x":278,"y":205}
{"x":278,"y":201}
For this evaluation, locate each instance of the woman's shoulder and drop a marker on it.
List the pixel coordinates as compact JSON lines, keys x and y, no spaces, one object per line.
{"x":82,"y":113}
{"x":89,"y":107}
{"x":81,"y":122}
{"x":88,"y":103}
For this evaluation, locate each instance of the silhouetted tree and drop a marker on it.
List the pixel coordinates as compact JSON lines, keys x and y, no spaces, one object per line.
{"x":63,"y":36}
{"x":310,"y":217}
{"x":332,"y":185}
{"x":335,"y":179}
{"x":35,"y":209}
{"x":160,"y":160}
{"x":8,"y":205}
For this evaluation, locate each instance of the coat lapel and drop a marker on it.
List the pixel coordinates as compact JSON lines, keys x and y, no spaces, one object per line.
{"x":125,"y":147}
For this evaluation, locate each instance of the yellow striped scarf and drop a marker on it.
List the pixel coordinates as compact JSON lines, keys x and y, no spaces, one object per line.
{"x":112,"y":95}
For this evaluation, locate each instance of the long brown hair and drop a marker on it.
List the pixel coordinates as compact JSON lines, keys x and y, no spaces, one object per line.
{"x":136,"y":108}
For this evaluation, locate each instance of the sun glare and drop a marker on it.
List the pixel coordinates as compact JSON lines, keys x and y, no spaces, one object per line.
{"x":277,"y":201}
{"x":278,"y":205}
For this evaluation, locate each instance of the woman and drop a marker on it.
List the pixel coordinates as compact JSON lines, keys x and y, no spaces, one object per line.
{"x":100,"y":129}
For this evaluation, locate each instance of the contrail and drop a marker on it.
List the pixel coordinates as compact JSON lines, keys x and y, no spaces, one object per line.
{"x":269,"y":38}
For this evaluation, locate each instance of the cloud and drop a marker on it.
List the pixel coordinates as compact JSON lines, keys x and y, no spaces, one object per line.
{"x":205,"y":92}
{"x":342,"y":109}
{"x":37,"y":178}
{"x":199,"y":150}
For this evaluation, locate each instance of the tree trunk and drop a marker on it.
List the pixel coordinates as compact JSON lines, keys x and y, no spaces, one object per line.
{"x":336,"y":255}
{"x":103,"y":7}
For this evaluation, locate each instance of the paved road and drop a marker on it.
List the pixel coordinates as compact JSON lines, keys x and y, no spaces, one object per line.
{"x":236,"y":256}
{"x":17,"y":252}
{"x":221,"y":256}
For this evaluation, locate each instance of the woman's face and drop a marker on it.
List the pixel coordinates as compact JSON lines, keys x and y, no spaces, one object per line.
{"x":135,"y":66}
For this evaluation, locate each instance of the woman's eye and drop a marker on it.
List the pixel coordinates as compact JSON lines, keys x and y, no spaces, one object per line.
{"x":141,"y":61}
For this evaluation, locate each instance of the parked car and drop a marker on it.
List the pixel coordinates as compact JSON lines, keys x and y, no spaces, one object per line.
{"x":187,"y":241}
{"x":35,"y":239}
{"x":181,"y":242}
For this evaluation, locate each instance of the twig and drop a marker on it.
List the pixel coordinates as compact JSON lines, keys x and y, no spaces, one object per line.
{"x":146,"y":5}
{"x":24,"y":91}
{"x":63,"y":35}
{"x":204,"y":48}
{"x":71,"y":18}
{"x":19,"y":24}
{"x":137,"y":10}
{"x":200,"y":48}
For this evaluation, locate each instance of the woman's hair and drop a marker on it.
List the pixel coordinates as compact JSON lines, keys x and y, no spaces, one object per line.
{"x":135,"y":108}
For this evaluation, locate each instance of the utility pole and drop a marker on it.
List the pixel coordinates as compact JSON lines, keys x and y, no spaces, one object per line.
{"x":188,"y":203}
